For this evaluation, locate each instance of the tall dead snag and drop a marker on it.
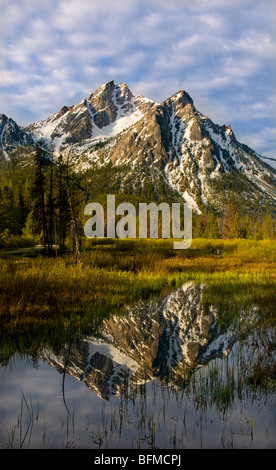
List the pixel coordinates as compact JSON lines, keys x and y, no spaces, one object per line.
{"x":74,"y":225}
{"x":73,"y":220}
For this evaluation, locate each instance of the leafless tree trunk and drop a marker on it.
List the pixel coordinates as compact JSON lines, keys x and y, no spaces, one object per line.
{"x":74,"y":224}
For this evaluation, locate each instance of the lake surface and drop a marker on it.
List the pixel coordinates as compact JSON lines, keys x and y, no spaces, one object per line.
{"x":172,"y":373}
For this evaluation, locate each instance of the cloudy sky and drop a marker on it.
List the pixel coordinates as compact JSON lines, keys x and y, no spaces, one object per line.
{"x":222,"y":52}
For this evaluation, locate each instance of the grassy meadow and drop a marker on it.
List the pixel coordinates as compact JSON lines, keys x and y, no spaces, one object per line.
{"x":45,"y":300}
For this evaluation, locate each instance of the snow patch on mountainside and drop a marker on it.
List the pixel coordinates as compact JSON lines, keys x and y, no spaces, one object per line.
{"x":171,"y":140}
{"x":127,"y":114}
{"x":190,"y":200}
{"x":45,"y":130}
{"x":2,"y":141}
{"x":222,"y":140}
{"x":177,"y":128}
{"x":123,"y":121}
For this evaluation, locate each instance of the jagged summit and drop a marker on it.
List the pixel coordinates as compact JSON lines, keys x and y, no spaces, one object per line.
{"x":106,"y":112}
{"x":169,"y":145}
{"x":12,"y":136}
{"x":106,"y":92}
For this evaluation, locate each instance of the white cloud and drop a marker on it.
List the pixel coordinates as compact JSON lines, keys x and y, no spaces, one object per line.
{"x":215,"y":23}
{"x":222,"y":53}
{"x":263,"y":141}
{"x":257,"y":44}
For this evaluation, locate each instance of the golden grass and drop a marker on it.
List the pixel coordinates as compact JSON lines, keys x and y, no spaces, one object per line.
{"x":42,"y":293}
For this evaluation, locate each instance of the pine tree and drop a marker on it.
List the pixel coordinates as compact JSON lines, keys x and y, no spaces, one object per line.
{"x":62,"y":220}
{"x":67,"y":204}
{"x":38,"y":193}
{"x":212,"y":227}
{"x":50,"y":208}
{"x":238,"y":230}
{"x":268,"y":226}
{"x":71,"y":185}
{"x":228,"y":220}
{"x":258,"y":235}
{"x":10,"y":212}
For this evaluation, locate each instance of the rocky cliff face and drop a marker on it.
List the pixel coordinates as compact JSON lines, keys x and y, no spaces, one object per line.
{"x":169,"y":144}
{"x":164,"y":340}
{"x":11,"y":137}
{"x":107,"y":110}
{"x":194,"y":155}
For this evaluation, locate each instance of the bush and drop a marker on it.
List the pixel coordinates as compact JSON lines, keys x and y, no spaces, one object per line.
{"x":16,"y":241}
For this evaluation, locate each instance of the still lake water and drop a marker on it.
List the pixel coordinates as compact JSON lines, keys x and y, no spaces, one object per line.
{"x":164,"y":374}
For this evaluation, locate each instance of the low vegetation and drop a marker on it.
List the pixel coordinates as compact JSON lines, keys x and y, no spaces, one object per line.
{"x":45,"y":300}
{"x":56,"y":285}
{"x":50,"y":301}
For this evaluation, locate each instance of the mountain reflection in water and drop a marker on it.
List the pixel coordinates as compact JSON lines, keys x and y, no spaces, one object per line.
{"x":159,"y":339}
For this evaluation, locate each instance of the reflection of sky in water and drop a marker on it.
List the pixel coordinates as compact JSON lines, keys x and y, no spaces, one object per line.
{"x":161,"y":339}
{"x":42,"y":388}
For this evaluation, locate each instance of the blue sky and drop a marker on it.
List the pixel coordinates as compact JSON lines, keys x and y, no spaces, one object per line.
{"x":222,"y":52}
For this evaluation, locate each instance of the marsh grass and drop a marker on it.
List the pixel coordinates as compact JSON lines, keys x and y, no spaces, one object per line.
{"x":20,"y":434}
{"x":49,"y":300}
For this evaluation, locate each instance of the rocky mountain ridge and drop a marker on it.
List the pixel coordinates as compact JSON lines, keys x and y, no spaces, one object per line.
{"x":12,"y":136}
{"x":169,"y":144}
{"x":105,"y":113}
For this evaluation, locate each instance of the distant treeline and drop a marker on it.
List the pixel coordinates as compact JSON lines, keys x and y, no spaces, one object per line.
{"x":43,"y":201}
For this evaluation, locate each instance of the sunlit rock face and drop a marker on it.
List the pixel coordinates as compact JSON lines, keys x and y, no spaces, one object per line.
{"x":156,"y":147}
{"x":164,"y":340}
{"x":107,"y":111}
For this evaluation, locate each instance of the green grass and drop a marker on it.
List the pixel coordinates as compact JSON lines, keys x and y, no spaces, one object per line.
{"x":50,"y":299}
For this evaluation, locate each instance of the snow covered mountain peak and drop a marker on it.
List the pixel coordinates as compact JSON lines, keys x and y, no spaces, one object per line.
{"x":107,"y":112}
{"x":169,"y":146}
